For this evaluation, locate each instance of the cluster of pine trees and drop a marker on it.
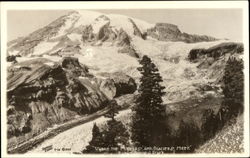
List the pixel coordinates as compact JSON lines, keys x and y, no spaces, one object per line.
{"x":147,"y":122}
{"x":114,"y":139}
{"x":233,"y":89}
{"x":148,"y":129}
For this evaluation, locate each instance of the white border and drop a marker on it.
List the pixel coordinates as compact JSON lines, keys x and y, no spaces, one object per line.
{"x":123,"y":5}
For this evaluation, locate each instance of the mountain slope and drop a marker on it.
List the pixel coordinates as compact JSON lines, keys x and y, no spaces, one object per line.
{"x":228,"y":140}
{"x":95,"y":28}
{"x":42,"y":93}
{"x":79,"y":62}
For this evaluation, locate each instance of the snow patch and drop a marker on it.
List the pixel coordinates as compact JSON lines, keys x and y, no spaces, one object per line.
{"x":98,"y":24}
{"x":86,"y":17}
{"x":120,"y":21}
{"x":75,"y":37}
{"x":14,"y":52}
{"x":89,"y":53}
{"x":43,"y":47}
{"x":70,"y":20}
{"x":50,"y":63}
{"x":9,"y":64}
{"x":21,"y":59}
{"x":82,"y":77}
{"x":17,"y":67}
{"x":107,"y":59}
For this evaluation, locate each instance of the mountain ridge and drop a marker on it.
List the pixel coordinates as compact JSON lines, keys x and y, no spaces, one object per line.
{"x":96,"y":27}
{"x":79,"y":62}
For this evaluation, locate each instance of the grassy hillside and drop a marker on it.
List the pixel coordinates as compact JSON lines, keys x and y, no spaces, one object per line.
{"x":228,"y":140}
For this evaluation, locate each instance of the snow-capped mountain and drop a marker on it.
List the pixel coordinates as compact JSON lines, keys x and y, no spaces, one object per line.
{"x":69,"y":32}
{"x":95,"y":56}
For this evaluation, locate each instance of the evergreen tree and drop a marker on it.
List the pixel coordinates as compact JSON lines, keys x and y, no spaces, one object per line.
{"x":233,"y":88}
{"x":116,"y":136}
{"x":113,"y":110}
{"x":96,"y":142}
{"x":114,"y":139}
{"x":149,"y":112}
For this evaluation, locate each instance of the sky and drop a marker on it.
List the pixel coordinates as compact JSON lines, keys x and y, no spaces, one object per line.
{"x":219,"y":23}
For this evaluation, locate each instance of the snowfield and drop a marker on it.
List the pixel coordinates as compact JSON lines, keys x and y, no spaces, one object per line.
{"x":107,"y":59}
{"x":171,"y":59}
{"x":75,"y":37}
{"x":86,"y":17}
{"x":69,"y":22}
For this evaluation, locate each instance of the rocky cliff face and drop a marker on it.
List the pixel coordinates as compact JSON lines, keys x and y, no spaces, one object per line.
{"x":213,"y":60}
{"x":117,"y":84}
{"x":42,"y":93}
{"x":170,"y":32}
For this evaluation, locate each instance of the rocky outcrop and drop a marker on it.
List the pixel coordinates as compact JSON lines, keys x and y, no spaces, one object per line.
{"x":11,"y":58}
{"x":129,"y":50}
{"x":117,"y":84}
{"x":170,"y":32}
{"x":87,"y":35}
{"x":44,"y":95}
{"x":193,"y":38}
{"x":164,"y":32}
{"x":72,"y":66}
{"x":216,"y":51}
{"x":213,"y":60}
{"x":106,"y":33}
{"x":137,"y":31}
{"x":124,"y":84}
{"x":123,"y":38}
{"x":107,"y":86}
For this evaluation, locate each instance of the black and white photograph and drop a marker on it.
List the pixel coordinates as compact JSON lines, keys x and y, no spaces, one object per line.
{"x":124,"y":78}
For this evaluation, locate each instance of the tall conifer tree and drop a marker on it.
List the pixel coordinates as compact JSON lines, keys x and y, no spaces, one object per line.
{"x":96,"y":141}
{"x":149,"y":110}
{"x":116,"y":136}
{"x":113,"y":139}
{"x":233,"y":88}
